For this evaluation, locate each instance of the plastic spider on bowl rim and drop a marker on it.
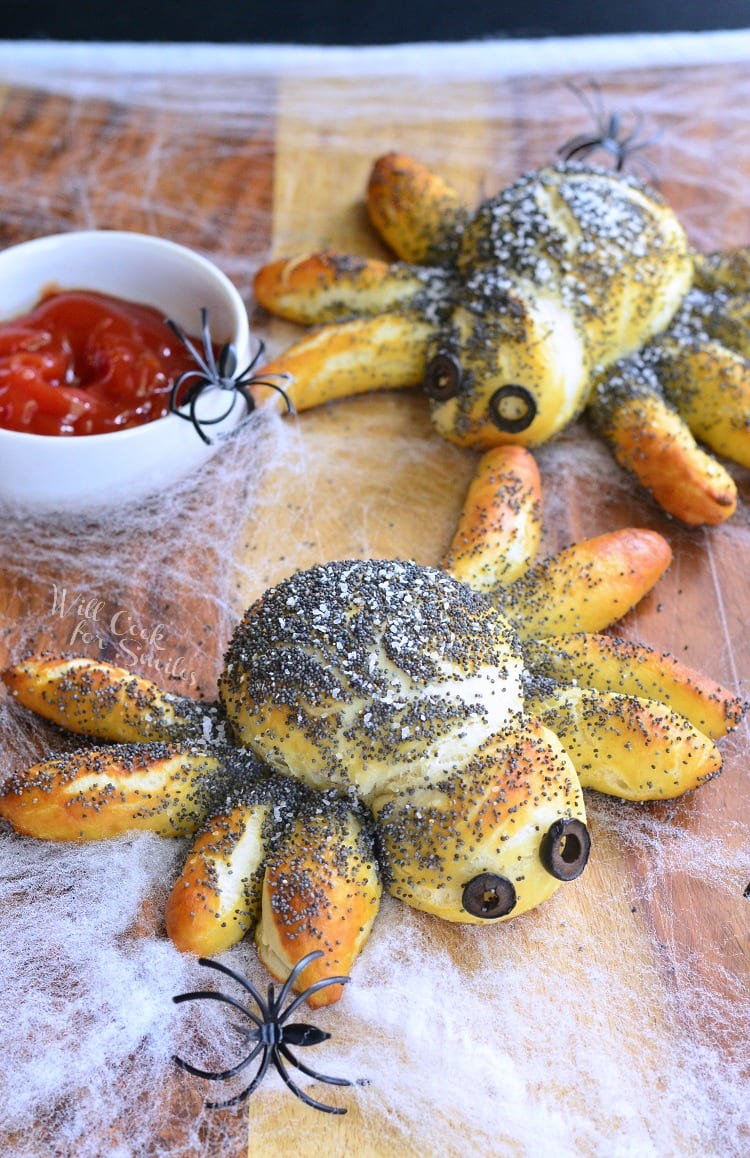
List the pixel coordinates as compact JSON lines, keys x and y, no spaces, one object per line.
{"x":217,"y":371}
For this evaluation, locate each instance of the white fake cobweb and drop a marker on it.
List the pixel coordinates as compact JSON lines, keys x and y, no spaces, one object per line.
{"x":615,"y":1019}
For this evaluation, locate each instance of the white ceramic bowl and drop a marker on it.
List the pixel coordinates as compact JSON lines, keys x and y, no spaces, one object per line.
{"x":78,"y":471}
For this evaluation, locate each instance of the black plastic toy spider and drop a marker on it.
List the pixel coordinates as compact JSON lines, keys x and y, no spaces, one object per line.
{"x":607,"y":136}
{"x":271,"y":1036}
{"x":219,"y":372}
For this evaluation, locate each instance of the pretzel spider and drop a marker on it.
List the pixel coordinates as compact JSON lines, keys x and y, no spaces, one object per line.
{"x":574,"y":288}
{"x":382,"y":723}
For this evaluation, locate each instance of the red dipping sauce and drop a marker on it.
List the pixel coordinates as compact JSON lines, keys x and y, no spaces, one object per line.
{"x":86,"y":363}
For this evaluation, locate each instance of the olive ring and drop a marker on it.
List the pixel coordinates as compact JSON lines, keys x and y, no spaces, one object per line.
{"x":514,"y":418}
{"x":489,"y":895}
{"x":443,"y":377}
{"x":565,"y":849}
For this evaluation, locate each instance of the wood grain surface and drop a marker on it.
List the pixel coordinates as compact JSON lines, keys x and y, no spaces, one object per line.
{"x":368,"y":478}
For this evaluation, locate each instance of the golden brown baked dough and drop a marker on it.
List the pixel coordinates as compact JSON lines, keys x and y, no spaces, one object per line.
{"x":321,"y":891}
{"x":102,"y":792}
{"x":500,"y":527}
{"x":390,"y":697}
{"x":570,"y":288}
{"x":99,"y":700}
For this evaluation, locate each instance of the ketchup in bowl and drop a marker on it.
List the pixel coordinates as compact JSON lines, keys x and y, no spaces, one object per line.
{"x":86,"y":363}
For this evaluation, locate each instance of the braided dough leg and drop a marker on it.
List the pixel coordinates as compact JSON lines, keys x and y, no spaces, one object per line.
{"x":96,"y":699}
{"x":103,"y":792}
{"x":725,"y":269}
{"x":650,"y":438}
{"x":382,"y":353}
{"x":216,"y":899}
{"x":626,"y":746}
{"x":321,"y":890}
{"x":710,"y":386}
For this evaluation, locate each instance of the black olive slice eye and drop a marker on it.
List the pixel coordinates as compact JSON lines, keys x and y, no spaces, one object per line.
{"x":489,"y":895}
{"x":512,"y":408}
{"x":565,"y":849}
{"x":442,"y":378}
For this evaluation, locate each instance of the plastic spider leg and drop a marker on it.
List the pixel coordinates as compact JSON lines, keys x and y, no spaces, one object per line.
{"x":330,"y":287}
{"x":98,"y":793}
{"x":387,"y":352}
{"x":595,"y":107}
{"x":650,"y":438}
{"x":176,"y":407}
{"x":292,"y":1085}
{"x":222,"y":1075}
{"x":244,"y":982}
{"x":214,"y":421}
{"x":582,"y":145}
{"x":242,"y":389}
{"x":311,"y":990}
{"x":311,"y":1073}
{"x":193,"y":416}
{"x":222,"y":998}
{"x":208,"y":349}
{"x":291,"y":981}
{"x":190,"y":346}
{"x":249,"y":1089}
{"x":245,"y":375}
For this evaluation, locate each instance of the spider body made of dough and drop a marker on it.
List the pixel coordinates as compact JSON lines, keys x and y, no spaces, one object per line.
{"x":573,"y":288}
{"x":386,"y":723}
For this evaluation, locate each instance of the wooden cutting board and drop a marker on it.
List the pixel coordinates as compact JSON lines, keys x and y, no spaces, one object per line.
{"x":276,"y":164}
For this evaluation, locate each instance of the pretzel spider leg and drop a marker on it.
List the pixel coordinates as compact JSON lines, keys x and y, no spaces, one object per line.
{"x":329,"y":287}
{"x":103,"y":792}
{"x":414,"y":210}
{"x":97,"y":699}
{"x":587,"y":586}
{"x":500,"y":527}
{"x":627,"y":746}
{"x":386,"y":352}
{"x":609,"y":664}
{"x":216,"y":899}
{"x":648,"y":436}
{"x":710,"y":387}
{"x":321,"y":891}
{"x":636,"y":724}
{"x":727,"y":269}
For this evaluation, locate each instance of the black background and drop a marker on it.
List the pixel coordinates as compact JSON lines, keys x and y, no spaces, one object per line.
{"x":356,"y":22}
